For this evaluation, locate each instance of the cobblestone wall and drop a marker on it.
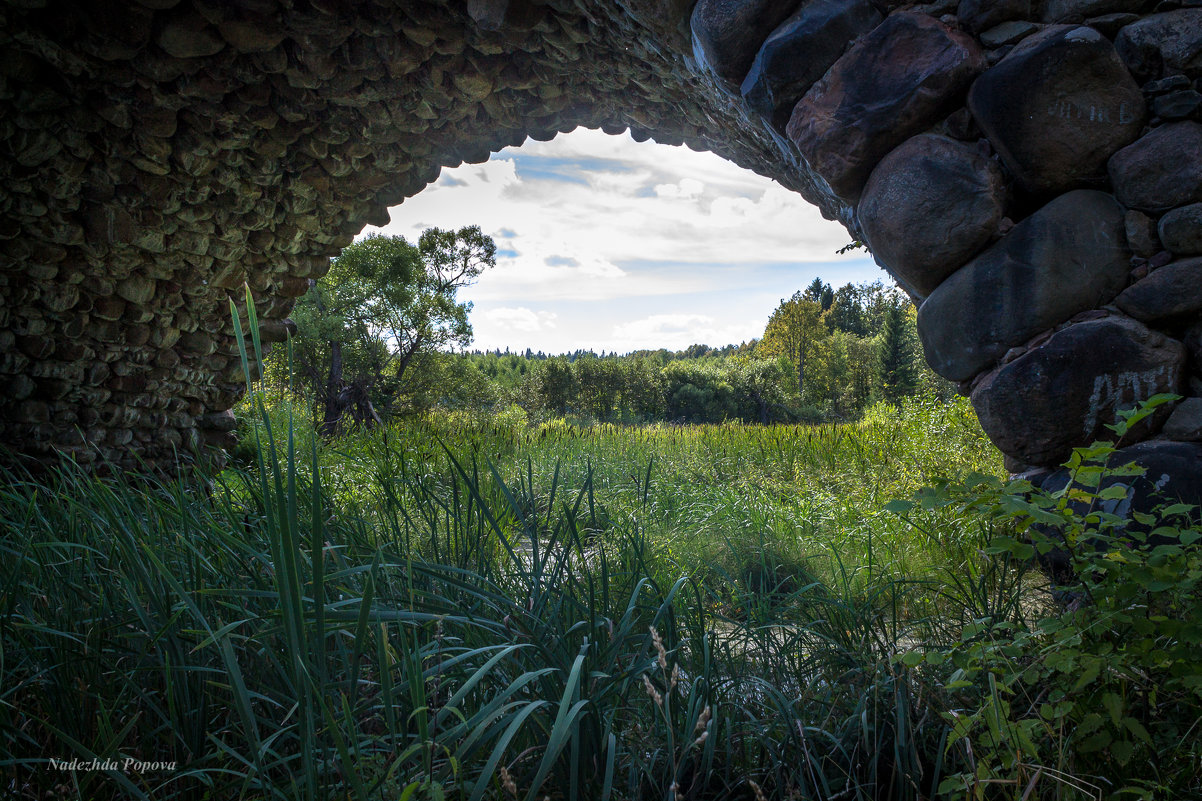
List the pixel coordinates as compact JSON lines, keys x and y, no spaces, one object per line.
{"x":1030,"y":171}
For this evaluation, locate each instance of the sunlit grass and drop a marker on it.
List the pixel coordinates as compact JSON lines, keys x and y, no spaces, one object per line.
{"x":409,"y":610}
{"x":474,"y":608}
{"x":708,"y":495}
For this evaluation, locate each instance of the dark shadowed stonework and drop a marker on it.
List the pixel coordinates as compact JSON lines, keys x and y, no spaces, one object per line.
{"x":156,"y":156}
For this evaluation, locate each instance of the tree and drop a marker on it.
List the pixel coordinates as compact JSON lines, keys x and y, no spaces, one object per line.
{"x":820,"y":293}
{"x":556,"y":384}
{"x":897,"y":369}
{"x":375,"y":323}
{"x":847,"y":311}
{"x":434,"y":320}
{"x":642,"y":388}
{"x":760,"y":388}
{"x":876,"y":300}
{"x":698,"y":392}
{"x":794,"y":331}
{"x":599,"y":383}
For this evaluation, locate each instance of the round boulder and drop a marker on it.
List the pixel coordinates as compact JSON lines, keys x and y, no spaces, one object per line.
{"x":1168,"y":43}
{"x":1066,"y":390}
{"x":894,"y":83}
{"x":1160,"y":171}
{"x":728,"y":33}
{"x":1185,"y":423}
{"x":1174,"y":290}
{"x":1170,"y":477}
{"x":1181,"y":230}
{"x":1066,"y":258}
{"x":929,"y":206}
{"x":981,"y":15}
{"x":800,"y":51}
{"x":1078,"y":10}
{"x":1056,"y":108}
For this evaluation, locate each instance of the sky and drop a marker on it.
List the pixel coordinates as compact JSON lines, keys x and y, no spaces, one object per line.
{"x":616,"y":245}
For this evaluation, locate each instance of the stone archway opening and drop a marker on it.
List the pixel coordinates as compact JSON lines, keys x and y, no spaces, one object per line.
{"x":608,"y":244}
{"x":1032,"y":172}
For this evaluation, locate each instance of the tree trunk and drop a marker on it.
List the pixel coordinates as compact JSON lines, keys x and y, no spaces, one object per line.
{"x":801,"y":371}
{"x":334,"y":401}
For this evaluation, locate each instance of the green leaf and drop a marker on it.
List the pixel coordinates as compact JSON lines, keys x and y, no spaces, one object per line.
{"x":1114,"y":706}
{"x":1137,"y":728}
{"x":1122,"y":751}
{"x":1090,"y":672}
{"x":899,"y":507}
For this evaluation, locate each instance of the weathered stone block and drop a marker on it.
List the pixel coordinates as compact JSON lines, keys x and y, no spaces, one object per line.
{"x":1161,"y":170}
{"x":1171,"y":291}
{"x":1185,"y":423}
{"x":249,"y":33}
{"x":1078,"y":10}
{"x":218,"y":421}
{"x":136,"y":289}
{"x":1057,"y":107}
{"x":1181,"y":230}
{"x":1183,"y":105}
{"x":1066,"y":258}
{"x":1109,"y":25}
{"x":727,"y":33}
{"x":897,"y":81}
{"x":928,"y":207}
{"x":276,"y":330}
{"x":1009,"y":33}
{"x":981,"y":15}
{"x":1141,"y":234}
{"x":1066,"y":390}
{"x":1163,"y":44}
{"x":800,"y":51}
{"x":189,"y":36}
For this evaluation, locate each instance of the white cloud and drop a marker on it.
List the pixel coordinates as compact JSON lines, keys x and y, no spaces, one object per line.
{"x":621,"y":200}
{"x":677,"y":331}
{"x":607,"y":233}
{"x":520,"y":319}
{"x":687,"y":189}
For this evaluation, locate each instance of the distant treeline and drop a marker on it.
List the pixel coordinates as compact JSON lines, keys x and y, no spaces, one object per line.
{"x":826,"y":354}
{"x":663,"y":354}
{"x":383,"y":334}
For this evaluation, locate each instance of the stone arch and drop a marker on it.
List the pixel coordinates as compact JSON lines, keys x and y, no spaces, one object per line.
{"x":1006,"y":161}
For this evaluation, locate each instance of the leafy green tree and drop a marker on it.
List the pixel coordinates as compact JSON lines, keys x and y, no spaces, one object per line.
{"x":862,"y":373}
{"x":698,"y":392}
{"x":642,"y":388}
{"x":876,"y":300}
{"x":794,"y":331}
{"x":371,"y":326}
{"x":455,"y":382}
{"x":760,"y":386}
{"x":599,"y":385}
{"x":846,"y":312}
{"x":556,"y":384}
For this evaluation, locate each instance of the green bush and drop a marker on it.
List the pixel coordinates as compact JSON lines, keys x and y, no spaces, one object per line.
{"x":1099,"y":695}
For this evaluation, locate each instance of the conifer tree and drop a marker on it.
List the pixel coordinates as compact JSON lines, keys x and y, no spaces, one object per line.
{"x":897,"y":369}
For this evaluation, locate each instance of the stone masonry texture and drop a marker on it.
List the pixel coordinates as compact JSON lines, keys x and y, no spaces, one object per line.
{"x":160,"y":158}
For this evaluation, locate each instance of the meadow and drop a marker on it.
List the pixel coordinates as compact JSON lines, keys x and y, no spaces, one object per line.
{"x":474,"y":606}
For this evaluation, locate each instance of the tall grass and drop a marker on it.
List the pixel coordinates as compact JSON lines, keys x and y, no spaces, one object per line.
{"x":489,"y":612}
{"x":468,"y":609}
{"x":391,"y":617}
{"x":272,"y":646}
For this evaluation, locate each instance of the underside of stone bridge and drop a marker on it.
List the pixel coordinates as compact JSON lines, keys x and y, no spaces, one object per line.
{"x":1029,"y":170}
